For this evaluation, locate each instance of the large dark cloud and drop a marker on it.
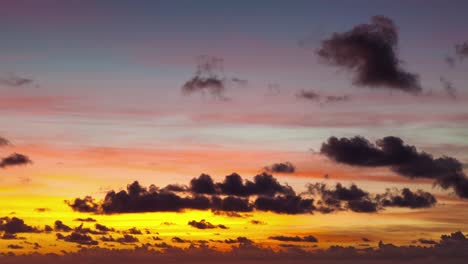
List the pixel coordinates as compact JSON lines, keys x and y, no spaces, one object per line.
{"x":447,"y":172}
{"x":203,"y":224}
{"x":370,"y":51}
{"x":282,"y":167}
{"x":15,"y":225}
{"x":407,"y":198}
{"x":235,"y":195}
{"x":286,"y":204}
{"x":357,"y":200}
{"x":14,"y":159}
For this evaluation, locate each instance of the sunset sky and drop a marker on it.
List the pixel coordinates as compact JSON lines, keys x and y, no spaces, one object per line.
{"x":290,"y":126}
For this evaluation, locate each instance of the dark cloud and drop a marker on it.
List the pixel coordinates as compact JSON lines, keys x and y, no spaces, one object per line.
{"x":9,"y":236}
{"x":61,"y":227}
{"x":103,"y":228}
{"x":134,"y":231}
{"x":450,"y":61}
{"x":203,"y":185}
{"x":289,"y":204}
{"x":42,"y":210}
{"x":179,"y":240}
{"x":322,"y":99}
{"x":127,"y":239}
{"x":86,"y":204}
{"x":448,"y":87}
{"x":15,"y":225}
{"x":211,"y":85}
{"x":209,"y":78}
{"x":4,"y":142}
{"x":257,"y":222}
{"x":88,"y":219}
{"x":357,"y":200}
{"x":370,"y":51}
{"x":462,"y":50}
{"x":427,"y":241}
{"x":447,"y":172}
{"x":203,"y":224}
{"x":76,"y":237}
{"x":282,"y":167}
{"x":240,"y":240}
{"x":13,"y":80}
{"x":309,"y":95}
{"x":309,"y":238}
{"x":230,"y":213}
{"x":407,"y":198}
{"x":14,"y":246}
{"x":263,"y":184}
{"x":14,"y":159}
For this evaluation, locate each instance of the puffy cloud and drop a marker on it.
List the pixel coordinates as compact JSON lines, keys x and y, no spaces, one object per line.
{"x":76,"y":237}
{"x":282,"y":167}
{"x":407,"y":198}
{"x":289,"y":204}
{"x":370,"y":51}
{"x":447,"y":172}
{"x":203,"y":224}
{"x":15,"y":225}
{"x":14,"y":159}
{"x":61,"y":227}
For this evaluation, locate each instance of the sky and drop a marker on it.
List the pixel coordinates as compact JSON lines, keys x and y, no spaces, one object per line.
{"x":186,"y":129}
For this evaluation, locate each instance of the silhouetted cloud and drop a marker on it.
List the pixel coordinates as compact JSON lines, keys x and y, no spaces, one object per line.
{"x":370,"y":51}
{"x":447,"y":172}
{"x":203,"y":224}
{"x":289,"y":204}
{"x":322,"y":99}
{"x":282,"y":167}
{"x":241,"y":240}
{"x":61,"y":227}
{"x":15,"y":225}
{"x":14,"y":159}
{"x":308,"y":238}
{"x":407,"y":198}
{"x":76,"y":237}
{"x":88,"y":219}
{"x":179,"y":240}
{"x":357,"y":200}
{"x":427,"y":241}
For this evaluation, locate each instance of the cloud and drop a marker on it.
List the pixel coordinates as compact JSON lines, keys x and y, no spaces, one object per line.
{"x":322,"y":99}
{"x":289,"y":204}
{"x":15,"y":225}
{"x":103,"y":228}
{"x":211,"y":85}
{"x":407,"y":198}
{"x":13,"y":80}
{"x":15,"y":159}
{"x":203,"y":224}
{"x":241,"y":240}
{"x":4,"y":142}
{"x":447,"y":172}
{"x":309,"y":95}
{"x":79,"y":238}
{"x":427,"y":241}
{"x":88,"y":219}
{"x":309,"y":238}
{"x":461,"y":50}
{"x":448,"y":87}
{"x":370,"y":51}
{"x":282,"y":167}
{"x":61,"y":227}
{"x":357,"y":200}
